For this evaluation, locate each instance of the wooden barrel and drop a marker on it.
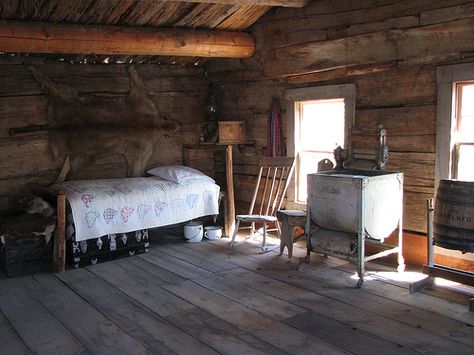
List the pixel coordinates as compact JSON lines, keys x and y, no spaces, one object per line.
{"x":453,"y":226}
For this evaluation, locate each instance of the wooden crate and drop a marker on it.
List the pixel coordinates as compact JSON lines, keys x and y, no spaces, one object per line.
{"x":26,"y":244}
{"x":231,"y":132}
{"x":23,"y":255}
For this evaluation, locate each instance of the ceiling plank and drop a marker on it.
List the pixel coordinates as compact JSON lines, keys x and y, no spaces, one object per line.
{"x":282,"y":3}
{"x":243,"y":18}
{"x":41,"y":37}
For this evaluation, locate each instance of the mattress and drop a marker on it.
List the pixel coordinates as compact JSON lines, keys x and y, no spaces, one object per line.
{"x":113,"y":206}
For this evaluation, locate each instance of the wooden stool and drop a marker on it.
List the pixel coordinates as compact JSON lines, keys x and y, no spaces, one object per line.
{"x":290,"y":219}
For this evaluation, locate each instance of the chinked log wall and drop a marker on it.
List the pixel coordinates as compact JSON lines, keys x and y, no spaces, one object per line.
{"x":177,"y":92}
{"x":389,"y":51}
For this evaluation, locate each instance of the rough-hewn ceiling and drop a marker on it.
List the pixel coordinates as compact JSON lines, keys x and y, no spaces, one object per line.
{"x":201,"y":14}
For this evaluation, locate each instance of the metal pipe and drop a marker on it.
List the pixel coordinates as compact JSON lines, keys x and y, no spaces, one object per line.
{"x":430,"y":248}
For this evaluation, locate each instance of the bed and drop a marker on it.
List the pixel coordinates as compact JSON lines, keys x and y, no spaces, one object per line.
{"x":115,"y":214}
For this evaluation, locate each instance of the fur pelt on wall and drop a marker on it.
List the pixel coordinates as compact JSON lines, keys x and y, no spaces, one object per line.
{"x":87,"y":128}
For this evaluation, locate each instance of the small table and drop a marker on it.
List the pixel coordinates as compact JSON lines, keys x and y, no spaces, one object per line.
{"x":290,"y":219}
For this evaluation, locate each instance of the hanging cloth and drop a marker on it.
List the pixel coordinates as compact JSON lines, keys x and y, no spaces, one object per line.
{"x":275,"y":146}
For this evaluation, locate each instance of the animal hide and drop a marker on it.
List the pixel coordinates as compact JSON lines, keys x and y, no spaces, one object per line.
{"x":87,"y":128}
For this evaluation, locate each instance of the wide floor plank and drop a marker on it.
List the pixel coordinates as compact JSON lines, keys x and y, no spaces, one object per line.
{"x":389,"y":290}
{"x":335,"y":317}
{"x":38,"y":328}
{"x":352,"y":306}
{"x":179,"y":267}
{"x":140,"y":286}
{"x":98,"y":334}
{"x":204,"y":261}
{"x":10,"y":342}
{"x":157,"y":334}
{"x":144,"y":266}
{"x":313,"y":300}
{"x":376,"y":287}
{"x":220,"y":335}
{"x":263,"y":327}
{"x":253,"y":299}
{"x":350,"y":338}
{"x":207,"y":298}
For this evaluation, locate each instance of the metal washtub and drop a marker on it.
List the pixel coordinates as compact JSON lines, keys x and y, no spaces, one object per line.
{"x":349,"y":208}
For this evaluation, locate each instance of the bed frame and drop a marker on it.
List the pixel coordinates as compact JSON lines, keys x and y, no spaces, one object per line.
{"x":59,"y":248}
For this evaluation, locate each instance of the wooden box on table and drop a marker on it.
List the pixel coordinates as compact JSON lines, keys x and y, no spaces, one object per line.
{"x":231,"y":132}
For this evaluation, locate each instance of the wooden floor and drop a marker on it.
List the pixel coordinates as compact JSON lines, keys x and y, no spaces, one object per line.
{"x":199,"y":298}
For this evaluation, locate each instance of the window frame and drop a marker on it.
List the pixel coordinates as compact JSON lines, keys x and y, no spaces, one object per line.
{"x":327,"y":92}
{"x":457,"y":118}
{"x":446,"y":118}
{"x":299,"y":124}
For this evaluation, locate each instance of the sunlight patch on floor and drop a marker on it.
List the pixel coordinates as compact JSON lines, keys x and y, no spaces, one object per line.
{"x":407,"y":276}
{"x":256,"y":239}
{"x":443,"y":282}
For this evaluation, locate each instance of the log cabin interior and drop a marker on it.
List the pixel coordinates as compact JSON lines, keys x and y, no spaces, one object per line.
{"x":101,"y":98}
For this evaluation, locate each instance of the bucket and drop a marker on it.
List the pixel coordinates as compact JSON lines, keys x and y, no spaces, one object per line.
{"x":213,"y":232}
{"x":453,"y":226}
{"x":193,"y":232}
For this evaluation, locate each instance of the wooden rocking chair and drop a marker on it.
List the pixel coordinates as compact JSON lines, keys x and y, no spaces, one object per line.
{"x":272,"y":182}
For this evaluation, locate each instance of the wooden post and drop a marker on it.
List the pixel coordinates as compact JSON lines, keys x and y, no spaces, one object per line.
{"x":229,"y":174}
{"x":59,"y":254}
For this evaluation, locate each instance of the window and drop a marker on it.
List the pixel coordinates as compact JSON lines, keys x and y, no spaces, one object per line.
{"x":455,"y":123}
{"x":455,"y":130}
{"x":318,"y":120}
{"x":319,"y":129}
{"x":463,"y":136}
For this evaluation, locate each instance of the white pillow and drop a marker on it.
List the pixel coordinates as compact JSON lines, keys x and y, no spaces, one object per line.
{"x":179,"y":174}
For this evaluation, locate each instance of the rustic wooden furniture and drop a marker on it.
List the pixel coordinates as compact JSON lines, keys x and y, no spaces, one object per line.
{"x":173,"y":216}
{"x":289,"y":220}
{"x":25,"y":246}
{"x":272,"y":182}
{"x":436,"y":270}
{"x":59,"y":248}
{"x":231,"y":132}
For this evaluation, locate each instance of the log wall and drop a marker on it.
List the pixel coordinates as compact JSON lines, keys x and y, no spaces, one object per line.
{"x":388,"y":49}
{"x":177,"y":92}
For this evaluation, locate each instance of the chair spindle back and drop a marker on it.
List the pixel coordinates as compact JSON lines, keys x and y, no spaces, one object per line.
{"x":273,"y":178}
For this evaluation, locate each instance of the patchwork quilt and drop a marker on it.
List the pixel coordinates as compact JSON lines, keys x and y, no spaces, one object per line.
{"x":111,"y":206}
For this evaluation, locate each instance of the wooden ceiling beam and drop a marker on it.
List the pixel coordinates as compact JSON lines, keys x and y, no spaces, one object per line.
{"x":282,"y":3}
{"x":41,"y":37}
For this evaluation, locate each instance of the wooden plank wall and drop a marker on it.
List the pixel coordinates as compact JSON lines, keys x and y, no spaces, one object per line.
{"x":389,"y":49}
{"x":178,"y":92}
